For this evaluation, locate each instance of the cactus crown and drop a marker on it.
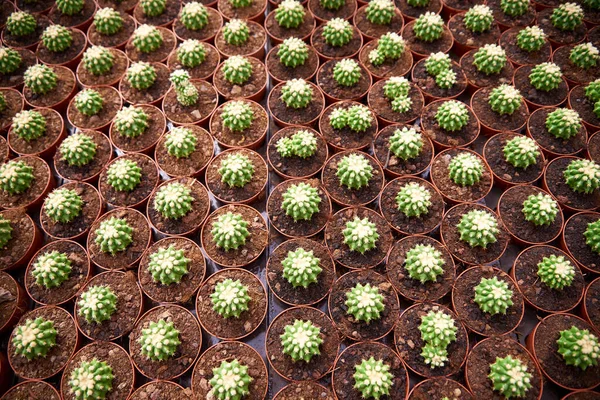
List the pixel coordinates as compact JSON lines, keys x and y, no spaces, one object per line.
{"x":191,"y":53}
{"x":360,"y":235}
{"x":187,"y":93}
{"x":390,"y":45}
{"x":194,"y":16}
{"x":107,"y":21}
{"x":301,"y":340}
{"x":153,"y":8}
{"x":592,"y":236}
{"x":380,"y":12}
{"x":406,"y":143}
{"x":91,"y":380}
{"x":237,"y":115}
{"x":465,"y":169}
{"x":584,"y":55}
{"x":20,"y":23}
{"x":124,"y":175}
{"x":490,"y":59}
{"x":556,"y":272}
{"x":346,"y":72}
{"x":493,"y":296}
{"x":446,"y":79}
{"x":301,"y":268}
{"x":51,"y":269}
{"x":5,"y":232}
{"x":174,"y":200}
{"x":88,"y":102}
{"x":240,"y":3}
{"x":505,"y":99}
{"x":545,"y":76}
{"x":396,"y":86}
{"x":34,"y":338}
{"x":230,"y":298}
{"x":372,"y":378}
{"x":97,"y":304}
{"x":98,"y":60}
{"x":452,"y":115}
{"x":424,"y":263}
{"x":354,"y":171}
{"x":168,"y":265}
{"x":563,"y":123}
{"x":479,"y":18}
{"x":230,"y":231}
{"x":230,"y":381}
{"x":579,"y":347}
{"x":582,"y":176}
{"x":531,"y":38}
{"x":289,"y":14}
{"x":57,"y":38}
{"x":438,"y":329}
{"x":592,"y":91}
{"x":413,"y":200}
{"x":29,"y":125}
{"x":293,"y":52}
{"x":296,"y":93}
{"x":10,"y":60}
{"x":429,"y":27}
{"x":237,"y":70}
{"x":131,"y":121}
{"x":141,"y":75}
{"x":63,"y":205}
{"x":567,"y":16}
{"x":114,"y":235}
{"x":521,"y":152}
{"x":236,"y":32}
{"x":15,"y":177}
{"x":69,"y":7}
{"x":359,"y":118}
{"x":147,"y":38}
{"x":236,"y":170}
{"x":541,"y":209}
{"x":301,"y":201}
{"x":510,"y":377}
{"x":40,"y":79}
{"x":401,"y":104}
{"x":337,"y":32}
{"x":159,"y":341}
{"x":332,"y":4}
{"x":364,"y":302}
{"x":478,"y":228}
{"x":514,"y":8}
{"x":180,"y":142}
{"x":78,"y":149}
{"x":437,"y":63}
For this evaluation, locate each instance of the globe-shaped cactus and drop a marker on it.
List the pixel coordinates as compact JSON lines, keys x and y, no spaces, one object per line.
{"x":289,"y":14}
{"x":194,"y":16}
{"x":373,"y":379}
{"x":57,"y":38}
{"x":301,"y":340}
{"x":579,"y":347}
{"x":567,"y":16}
{"x":174,"y":200}
{"x":51,"y":269}
{"x":521,"y":152}
{"x":429,"y":27}
{"x":113,"y":235}
{"x":396,"y":86}
{"x":141,"y":75}
{"x":446,"y":79}
{"x":452,"y":115}
{"x":354,"y":171}
{"x":131,"y":121}
{"x":91,"y":380}
{"x":230,"y":381}
{"x":10,"y":60}
{"x":40,"y":79}
{"x":424,"y":263}
{"x":284,"y":147}
{"x":159,"y":341}
{"x":418,"y":3}
{"x":437,"y":63}
{"x":153,"y":8}
{"x":77,"y":150}
{"x":493,"y":296}
{"x":531,"y":38}
{"x":540,"y":209}
{"x":346,"y":72}
{"x":301,"y":201}
{"x":546,"y":76}
{"x":592,"y":236}
{"x":359,"y":118}
{"x":376,"y":57}
{"x":124,"y":175}
{"x":478,"y":228}
{"x":514,"y":8}
{"x":401,"y":104}
{"x":556,"y":272}
{"x":236,"y":170}
{"x":237,"y":70}
{"x":5,"y":232}
{"x":34,"y":338}
{"x":490,"y":59}
{"x":582,"y":176}
{"x":413,"y":200}
{"x":237,"y":115}
{"x":230,"y":231}
{"x":98,"y":60}
{"x":230,"y":298}
{"x":434,"y":356}
{"x":406,"y":143}
{"x":479,"y":18}
{"x":296,"y":93}
{"x":337,"y":32}
{"x":505,"y":99}
{"x":63,"y":205}
{"x":510,"y":377}
{"x":563,"y":123}
{"x":380,"y":12}
{"x":293,"y":52}
{"x":465,"y":169}
{"x":147,"y":38}
{"x":97,"y":304}
{"x":592,"y":91}
{"x":187,"y":93}
{"x":584,"y":55}
{"x":236,"y":32}
{"x":69,"y":7}
{"x":240,"y":3}
{"x":29,"y":125}
{"x":338,"y":119}
{"x":20,"y":23}
{"x":332,"y":4}
{"x":107,"y":21}
{"x":180,"y":142}
{"x":168,"y":265}
{"x":360,"y":235}
{"x":391,"y":45}
{"x":301,"y":268}
{"x":438,"y":329}
{"x":15,"y":177}
{"x":191,"y":53}
{"x":88,"y":102}
{"x":304,"y":144}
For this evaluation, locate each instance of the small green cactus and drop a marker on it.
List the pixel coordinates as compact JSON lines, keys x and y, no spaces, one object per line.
{"x":332,"y":4}
{"x":3,"y":104}
{"x":579,"y":347}
{"x":147,"y":38}
{"x":521,"y":152}
{"x":479,"y":18}
{"x":418,"y":3}
{"x":373,"y":379}
{"x":15,"y":177}
{"x":338,"y":119}
{"x":401,"y":104}
{"x":289,"y":14}
{"x":20,"y":23}
{"x":70,"y":7}
{"x":396,"y":86}
{"x":57,"y":38}
{"x":29,"y":125}
{"x":301,"y":268}
{"x":187,"y":93}
{"x":63,"y":205}
{"x":78,"y":150}
{"x":92,"y":380}
{"x":531,"y":38}
{"x":88,"y":102}
{"x":478,"y":228}
{"x":376,"y":57}
{"x":567,"y":16}
{"x":5,"y":232}
{"x":584,"y":55}
{"x":380,"y":12}
{"x":563,"y":123}
{"x":284,"y":147}
{"x":159,"y":341}
{"x":301,"y":201}
{"x":556,"y":272}
{"x":180,"y":142}
{"x":429,"y":27}
{"x":413,"y":200}
{"x":237,"y":115}
{"x":34,"y":338}
{"x":107,"y":21}
{"x":237,"y":70}
{"x":153,"y":8}
{"x":592,"y":91}
{"x":446,"y":79}
{"x":424,"y":263}
{"x":168,"y":265}
{"x":346,"y":72}
{"x":131,"y":121}
{"x":236,"y":32}
{"x":230,"y":231}
{"x":359,"y":118}
{"x":592,"y":236}
{"x":98,"y":60}
{"x":354,"y":171}
{"x":141,"y":75}
{"x":514,"y":8}
{"x":230,"y":298}
{"x":194,"y":16}
{"x":490,"y":59}
{"x":391,"y":45}
{"x":438,"y":62}
{"x":582,"y":176}
{"x":240,"y":3}
{"x":360,"y":235}
{"x":174,"y":200}
{"x":191,"y":53}
{"x":230,"y":381}
{"x":40,"y":79}
{"x":337,"y":32}
{"x":406,"y":143}
{"x":301,"y":340}
{"x":236,"y":170}
{"x":114,"y":235}
{"x":296,"y":93}
{"x":304,"y":144}
{"x":124,"y":175}
{"x":540,"y":209}
{"x":505,"y":99}
{"x":438,"y":329}
{"x":434,"y":356}
{"x":546,"y":76}
{"x":293,"y":52}
{"x":510,"y":377}
{"x":465,"y":169}
{"x":493,"y":296}
{"x":97,"y":304}
{"x":10,"y":60}
{"x":51,"y":269}
{"x":452,"y":115}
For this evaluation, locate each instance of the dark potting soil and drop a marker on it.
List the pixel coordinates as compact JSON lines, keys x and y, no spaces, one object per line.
{"x":409,"y":343}
{"x":580,"y":103}
{"x":115,"y":357}
{"x":304,"y":390}
{"x":6,"y":9}
{"x":440,"y":388}
{"x":190,"y":222}
{"x":575,"y":241}
{"x":253,"y":135}
{"x":41,"y":6}
{"x":58,"y":355}
{"x":480,"y":79}
{"x":32,"y":390}
{"x":593,"y":148}
{"x":382,"y":106}
{"x":251,"y":87}
{"x":93,"y":168}
{"x":465,"y":37}
{"x":183,"y":291}
{"x":112,"y":77}
{"x":372,"y":30}
{"x":255,"y":43}
{"x":158,"y":55}
{"x":330,"y":87}
{"x":518,"y":56}
{"x":282,"y":73}
{"x":151,"y":95}
{"x":413,"y":289}
{"x":389,"y":68}
{"x":118,"y":39}
{"x":165,"y":18}
{"x":394,"y":165}
{"x":202,"y":71}
{"x":232,"y":328}
{"x":41,"y":183}
{"x":125,"y":259}
{"x":297,"y":167}
{"x":583,"y":395}
{"x":163,"y":390}
{"x":485,"y":354}
{"x":494,"y":155}
{"x":342,"y":194}
{"x":505,"y":20}
{"x":302,"y":228}
{"x":243,"y":255}
{"x":353,"y":259}
{"x":555,"y":180}
{"x":14,"y":79}
{"x":594,"y":36}
{"x":496,"y":121}
{"x":28,"y":40}
{"x":14,"y":105}
{"x":423,"y":48}
{"x":299,"y":295}
{"x":111,"y":104}
{"x":119,"y":5}
{"x":205,"y":105}
{"x":87,"y":13}
{"x":9,"y":299}
{"x":410,"y":12}
{"x":461,"y":5}
{"x":296,"y":116}
{"x":129,"y":307}
{"x":74,"y":51}
{"x":215,"y":21}
{"x":191,"y":165}
{"x":4,"y":150}
{"x":427,"y":84}
{"x":228,"y":194}
{"x":459,"y":138}
{"x":345,"y":368}
{"x":327,"y":51}
{"x":547,"y":3}
{"x":140,"y":193}
{"x":570,"y":70}
{"x":592,"y":302}
{"x":187,"y":351}
{"x":554,"y":97}
{"x":59,"y":94}
{"x":346,"y":11}
{"x":557,"y":35}
{"x":229,"y":351}
{"x":281,"y":33}
{"x":23,"y":237}
{"x":147,"y":140}
{"x":253,"y":11}
{"x":545,"y":348}
{"x":538,"y":293}
{"x":55,"y":129}
{"x":472,"y":316}
{"x":346,"y":138}
{"x":319,"y":364}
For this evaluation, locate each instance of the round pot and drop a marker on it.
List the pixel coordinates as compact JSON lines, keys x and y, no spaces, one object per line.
{"x":370,"y":31}
{"x":29,"y":42}
{"x":554,"y":98}
{"x":346,"y":139}
{"x":574,"y":244}
{"x":431,"y":91}
{"x":44,"y":146}
{"x":442,"y":387}
{"x":193,"y":165}
{"x":251,"y":138}
{"x":477,"y":80}
{"x":519,"y":57}
{"x":443,"y":139}
{"x":160,"y":55}
{"x":420,"y":49}
{"x":465,"y":40}
{"x":389,"y":68}
{"x":277,"y":34}
{"x":307,"y":116}
{"x":28,"y":238}
{"x":81,"y":20}
{"x":205,"y":70}
{"x":492,"y":122}
{"x":165,"y":19}
{"x":258,"y":79}
{"x":557,"y":37}
{"x":280,"y":73}
{"x":257,"y":50}
{"x":553,"y":182}
{"x":589,"y":305}
{"x":382,"y":106}
{"x":154,"y":94}
{"x":306,"y":390}
{"x":297,"y":167}
{"x":206,"y":34}
{"x":327,"y":52}
{"x":579,"y":102}
{"x":328,"y":85}
{"x":162,"y":389}
{"x":254,"y":12}
{"x":24,"y":389}
{"x":197,"y":114}
{"x":34,"y":196}
{"x":119,"y":39}
{"x":17,"y":301}
{"x":58,"y":98}
{"x":114,"y":76}
{"x":75,"y":54}
{"x":15,"y":80}
{"x":145,"y":143}
{"x":552,"y":146}
{"x":14,"y":105}
{"x":87,"y":173}
{"x":322,"y":15}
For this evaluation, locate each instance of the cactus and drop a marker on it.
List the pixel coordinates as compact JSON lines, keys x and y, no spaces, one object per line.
{"x":346,"y":72}
{"x":556,"y":272}
{"x":237,"y":115}
{"x":230,"y":298}
{"x":78,"y":150}
{"x":230,"y":381}
{"x":194,"y":16}
{"x":592,"y":91}
{"x":438,"y":329}
{"x":51,"y":269}
{"x":591,"y":4}
{"x":563,"y":123}
{"x":191,"y":53}
{"x":514,"y":8}
{"x":57,"y":38}
{"x":289,"y":14}
{"x":582,"y":176}
{"x":63,"y":205}
{"x":406,"y":143}
{"x":5,"y":232}
{"x":107,"y":21}
{"x":70,"y":7}
{"x":434,"y":356}
{"x":15,"y":177}
{"x":584,"y":55}
{"x":452,"y":115}
{"x":541,"y":209}
{"x":510,"y":377}
{"x":187,"y":93}
{"x":301,"y":201}
{"x":301,"y":340}
{"x":354,"y":171}
{"x":401,"y":104}
{"x":490,"y":59}
{"x":592,"y":236}
{"x":478,"y":228}
{"x":424,"y":263}
{"x":531,"y":38}
{"x":437,"y":63}
{"x":413,"y":200}
{"x":429,"y":27}
{"x":180,"y":142}
{"x":230,"y":231}
{"x":546,"y":76}
{"x":465,"y":169}
{"x":567,"y":16}
{"x":97,"y":304}
{"x":579,"y":347}
{"x":29,"y":125}
{"x":493,"y":296}
{"x":236,"y":32}
{"x":304,"y":144}
{"x":98,"y":60}
{"x":396,"y":86}
{"x":373,"y":379}
{"x":10,"y":60}
{"x":505,"y":99}
{"x":332,"y":4}
{"x":34,"y":338}
{"x":168,"y":265}
{"x":479,"y":18}
{"x":236,"y":170}
{"x":141,"y":75}
{"x":521,"y":152}
{"x":124,"y":175}
{"x":380,"y":12}
{"x":131,"y":122}
{"x":147,"y":38}
{"x":338,"y":119}
{"x":3,"y":104}
{"x":391,"y":45}
{"x":337,"y":32}
{"x":159,"y":341}
{"x":360,"y":235}
{"x":240,"y":3}
{"x":296,"y":93}
{"x":237,"y":70}
{"x":293,"y":52}
{"x":88,"y":102}
{"x":301,"y":268}
{"x":153,"y":8}
{"x":376,"y":57}
{"x":446,"y":79}
{"x":40,"y":79}
{"x":174,"y":200}
{"x":113,"y":235}
{"x":92,"y":380}
{"x":418,"y":3}
{"x":359,"y":118}
{"x":20,"y":23}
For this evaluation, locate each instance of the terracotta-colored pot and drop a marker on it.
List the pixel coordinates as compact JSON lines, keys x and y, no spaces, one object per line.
{"x":549,"y":152}
{"x":260,"y":51}
{"x":421,"y":389}
{"x":42,"y":22}
{"x":585,"y":311}
{"x":258,"y":17}
{"x":331,"y":99}
{"x":275,"y":80}
{"x":129,"y":24}
{"x":575,"y":95}
{"x":164,"y":20}
{"x":203,"y":120}
{"x":213,"y":57}
{"x":32,"y":247}
{"x":563,"y":242}
{"x":74,"y":62}
{"x":161,"y":126}
{"x":429,"y":125}
{"x":6,"y":374}
{"x":275,"y":40}
{"x":213,"y":15}
{"x":429,"y":97}
{"x":160,"y":388}
{"x":257,"y":96}
{"x":418,"y":55}
{"x":488,"y":130}
{"x":256,"y":144}
{"x":302,"y":389}
{"x":35,"y":203}
{"x":103,"y":127}
{"x":56,"y":16}
{"x":116,"y":79}
{"x":21,"y":304}
{"x":161,"y":69}
{"x":129,"y":47}
{"x":10,"y":93}
{"x":48,"y":152}
{"x":312,"y":123}
{"x":32,"y":386}
{"x":60,"y":105}
{"x":532,"y":105}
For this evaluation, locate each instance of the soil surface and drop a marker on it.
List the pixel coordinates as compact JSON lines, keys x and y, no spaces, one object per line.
{"x":72,"y":53}
{"x":440,"y":388}
{"x":575,"y":242}
{"x":32,"y":390}
{"x":505,"y":20}
{"x":296,"y":167}
{"x":54,"y":97}
{"x":536,"y":128}
{"x":494,"y":156}
{"x":382,"y":106}
{"x":24,"y":236}
{"x":13,"y":300}
{"x":250,"y":137}
{"x":203,"y":71}
{"x":253,"y":46}
{"x":409,"y":12}
{"x":118,"y":39}
{"x":392,"y":164}
{"x":346,"y":138}
{"x":461,"y":5}
{"x":281,"y":73}
{"x":163,"y":390}
{"x":459,"y":138}
{"x":304,"y":390}
{"x":498,"y":122}
{"x":427,"y":84}
{"x":253,"y":12}
{"x":554,"y":178}
{"x":196,"y":113}
{"x":28,"y":59}
{"x":215,"y":22}
{"x":580,"y":103}
{"x":388,"y":68}
{"x":122,"y":6}
{"x":518,"y":56}
{"x":296,"y":116}
{"x":422,"y":48}
{"x":594,"y":148}
{"x":192,"y":165}
{"x":94,"y":167}
{"x":158,"y":55}
{"x":252,"y":87}
{"x":116,"y":73}
{"x":55,"y":130}
{"x":140,"y":193}
{"x":41,"y":183}
{"x":592,"y":302}
{"x":554,"y":97}
{"x":42,"y":6}
{"x":14,"y":105}
{"x":151,"y":95}
{"x":330,"y":87}
{"x":147,"y":140}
